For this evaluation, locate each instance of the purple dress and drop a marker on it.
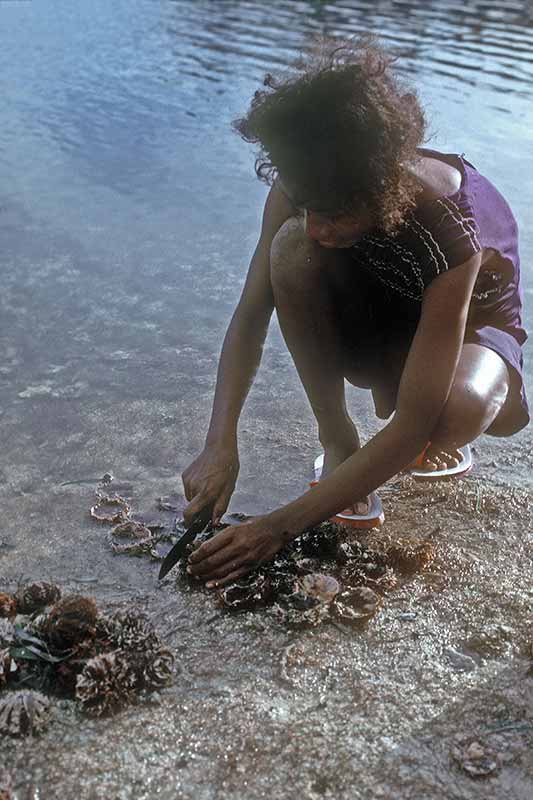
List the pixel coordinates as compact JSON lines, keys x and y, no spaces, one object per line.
{"x":435,"y":237}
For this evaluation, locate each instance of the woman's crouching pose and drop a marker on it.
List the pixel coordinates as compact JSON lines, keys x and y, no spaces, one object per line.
{"x":390,"y":265}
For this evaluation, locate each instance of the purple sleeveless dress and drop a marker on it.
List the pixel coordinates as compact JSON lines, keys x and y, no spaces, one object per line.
{"x":435,"y":237}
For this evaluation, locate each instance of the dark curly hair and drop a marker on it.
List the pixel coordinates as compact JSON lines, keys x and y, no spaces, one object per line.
{"x":339,"y":130}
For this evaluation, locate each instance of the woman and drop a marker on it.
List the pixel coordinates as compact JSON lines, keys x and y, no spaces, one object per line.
{"x":393,"y":266}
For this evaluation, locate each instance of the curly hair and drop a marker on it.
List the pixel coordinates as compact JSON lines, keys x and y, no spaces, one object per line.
{"x":339,"y":129}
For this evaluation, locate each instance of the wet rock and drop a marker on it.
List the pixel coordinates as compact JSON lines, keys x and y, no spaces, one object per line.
{"x":460,"y":661}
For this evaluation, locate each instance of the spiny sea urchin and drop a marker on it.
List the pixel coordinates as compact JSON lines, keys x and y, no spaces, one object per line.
{"x":107,"y":683}
{"x":23,"y":713}
{"x":36,"y":595}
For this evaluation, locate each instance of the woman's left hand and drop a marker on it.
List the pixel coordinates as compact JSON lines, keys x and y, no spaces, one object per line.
{"x":235,"y":551}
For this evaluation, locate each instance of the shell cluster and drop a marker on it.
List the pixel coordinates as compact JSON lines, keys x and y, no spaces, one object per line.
{"x":128,"y":536}
{"x":323,"y":576}
{"x":70,"y":649}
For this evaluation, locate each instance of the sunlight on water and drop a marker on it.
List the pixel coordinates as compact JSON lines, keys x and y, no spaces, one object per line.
{"x":118,"y":161}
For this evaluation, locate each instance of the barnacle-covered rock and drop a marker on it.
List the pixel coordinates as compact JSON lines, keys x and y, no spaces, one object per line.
{"x":8,"y":605}
{"x":304,"y":565}
{"x":106,"y":684}
{"x":71,"y":620}
{"x":157,"y":669}
{"x":33,"y":596}
{"x":355,"y":604}
{"x":23,"y":712}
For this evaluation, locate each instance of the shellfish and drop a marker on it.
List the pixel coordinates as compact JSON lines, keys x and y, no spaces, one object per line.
{"x":107,"y":683}
{"x":36,"y":595}
{"x":246,"y":594}
{"x":70,"y":620}
{"x":8,"y":605}
{"x":112,"y":510}
{"x":23,"y":713}
{"x":355,"y":604}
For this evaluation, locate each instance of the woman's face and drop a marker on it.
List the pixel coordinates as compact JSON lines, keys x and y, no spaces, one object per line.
{"x":336,"y":230}
{"x":329,"y":228}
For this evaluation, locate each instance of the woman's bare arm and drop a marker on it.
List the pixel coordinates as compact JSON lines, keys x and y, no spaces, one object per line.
{"x":210,"y":479}
{"x":245,"y":337}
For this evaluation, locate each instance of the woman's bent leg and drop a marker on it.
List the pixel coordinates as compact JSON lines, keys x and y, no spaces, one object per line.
{"x":476,"y":404}
{"x":301,"y":281}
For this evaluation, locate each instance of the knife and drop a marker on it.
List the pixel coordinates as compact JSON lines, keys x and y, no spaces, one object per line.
{"x":197,"y":525}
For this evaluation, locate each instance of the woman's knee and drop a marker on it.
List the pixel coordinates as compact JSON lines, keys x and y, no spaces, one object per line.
{"x":469,"y":411}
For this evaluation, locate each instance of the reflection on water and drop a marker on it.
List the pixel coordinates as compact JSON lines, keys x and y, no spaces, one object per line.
{"x":130,"y":210}
{"x":432,"y":38}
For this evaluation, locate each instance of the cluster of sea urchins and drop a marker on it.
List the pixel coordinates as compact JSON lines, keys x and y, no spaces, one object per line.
{"x":324,"y":575}
{"x":64,"y":646}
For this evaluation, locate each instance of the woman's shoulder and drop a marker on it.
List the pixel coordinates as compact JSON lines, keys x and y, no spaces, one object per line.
{"x":436,"y":177}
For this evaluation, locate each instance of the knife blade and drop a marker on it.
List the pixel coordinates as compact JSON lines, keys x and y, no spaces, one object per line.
{"x":173,"y":556}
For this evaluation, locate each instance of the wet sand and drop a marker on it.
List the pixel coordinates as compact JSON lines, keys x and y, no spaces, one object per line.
{"x":341,"y":713}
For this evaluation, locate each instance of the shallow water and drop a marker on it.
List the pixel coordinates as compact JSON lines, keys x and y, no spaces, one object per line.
{"x":128,"y":213}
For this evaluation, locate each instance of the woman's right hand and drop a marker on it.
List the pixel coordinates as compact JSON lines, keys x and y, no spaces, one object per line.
{"x":210,"y":480}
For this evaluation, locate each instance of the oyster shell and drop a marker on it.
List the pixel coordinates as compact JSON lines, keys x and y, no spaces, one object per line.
{"x":36,"y":595}
{"x":356,"y":603}
{"x":112,"y":510}
{"x":23,"y":713}
{"x":323,"y":588}
{"x":243,"y":595}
